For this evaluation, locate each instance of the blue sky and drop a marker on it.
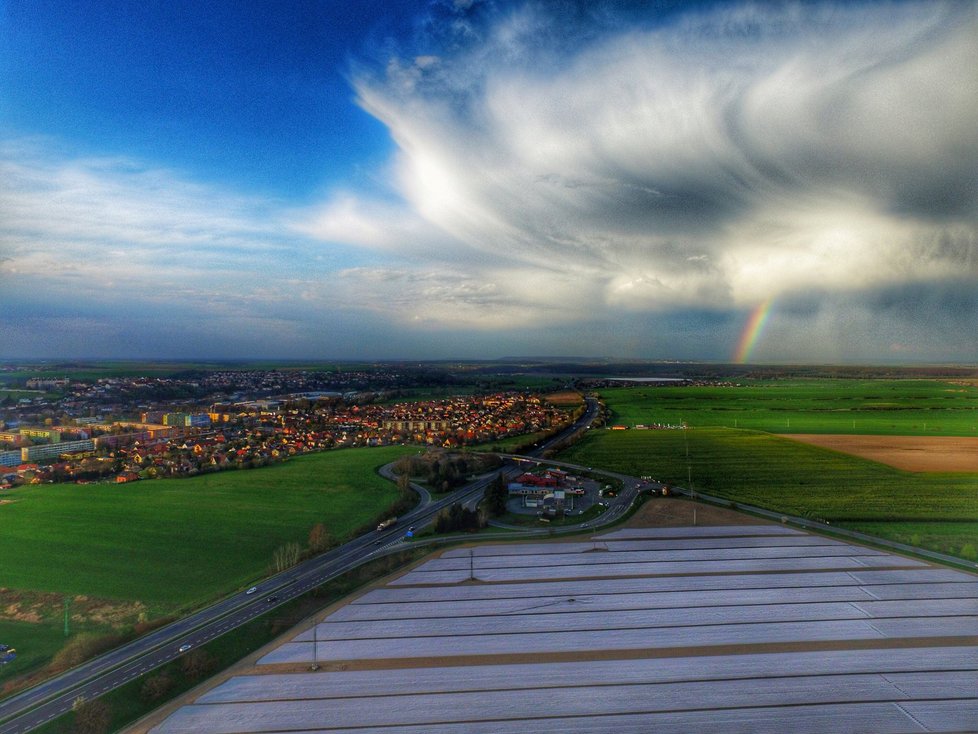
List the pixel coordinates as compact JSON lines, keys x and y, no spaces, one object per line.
{"x":476,"y":179}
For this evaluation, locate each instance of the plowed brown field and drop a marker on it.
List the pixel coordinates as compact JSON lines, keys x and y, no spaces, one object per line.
{"x":910,"y":453}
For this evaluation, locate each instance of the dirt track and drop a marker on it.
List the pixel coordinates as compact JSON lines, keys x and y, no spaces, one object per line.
{"x":671,"y":512}
{"x":910,"y":453}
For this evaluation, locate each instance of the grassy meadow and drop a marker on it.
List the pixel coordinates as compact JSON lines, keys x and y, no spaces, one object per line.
{"x":734,"y":452}
{"x":870,"y":407}
{"x":35,"y":645}
{"x":177,"y":542}
{"x":787,"y":476}
{"x":93,"y":370}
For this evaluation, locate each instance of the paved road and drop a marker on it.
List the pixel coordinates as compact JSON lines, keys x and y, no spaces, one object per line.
{"x":37,"y":705}
{"x":617,"y":506}
{"x":633,"y":485}
{"x":44,"y":702}
{"x":40,"y":704}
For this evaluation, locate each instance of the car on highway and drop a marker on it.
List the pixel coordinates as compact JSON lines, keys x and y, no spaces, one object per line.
{"x":272,"y":598}
{"x":252,"y":590}
{"x":184,"y":648}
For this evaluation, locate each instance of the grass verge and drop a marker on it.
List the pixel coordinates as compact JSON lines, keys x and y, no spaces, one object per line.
{"x":177,"y":543}
{"x":870,"y":407}
{"x":139,"y":697}
{"x":786,"y":476}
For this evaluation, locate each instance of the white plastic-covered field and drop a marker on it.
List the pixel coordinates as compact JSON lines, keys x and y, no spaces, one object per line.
{"x":739,"y":629}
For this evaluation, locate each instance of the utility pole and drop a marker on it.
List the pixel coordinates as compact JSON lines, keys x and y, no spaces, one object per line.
{"x":315,"y":645}
{"x":689,"y":473}
{"x":471,"y":565}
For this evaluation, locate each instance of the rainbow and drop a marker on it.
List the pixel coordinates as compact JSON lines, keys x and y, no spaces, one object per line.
{"x":752,"y":331}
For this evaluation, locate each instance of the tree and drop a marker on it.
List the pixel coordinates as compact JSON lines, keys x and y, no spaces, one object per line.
{"x":91,"y":717}
{"x":496,"y":496}
{"x":77,"y":650}
{"x":156,"y":687}
{"x":286,"y":556}
{"x":319,"y":538}
{"x":457,"y":517}
{"x":198,"y":663}
{"x":404,"y":465}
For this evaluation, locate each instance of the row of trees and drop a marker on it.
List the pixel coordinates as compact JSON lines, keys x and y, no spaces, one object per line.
{"x":496,"y":496}
{"x":444,"y":471}
{"x":289,"y":554}
{"x":457,"y":518}
{"x":94,"y":716}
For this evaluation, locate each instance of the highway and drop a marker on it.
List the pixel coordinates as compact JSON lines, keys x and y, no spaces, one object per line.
{"x":36,"y":706}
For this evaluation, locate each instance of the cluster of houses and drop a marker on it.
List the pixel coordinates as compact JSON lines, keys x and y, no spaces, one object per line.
{"x":468,"y":420}
{"x":445,"y":423}
{"x":263,"y":434}
{"x":163,"y":457}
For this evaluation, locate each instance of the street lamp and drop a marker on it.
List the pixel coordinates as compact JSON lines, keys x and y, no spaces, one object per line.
{"x":689,"y":473}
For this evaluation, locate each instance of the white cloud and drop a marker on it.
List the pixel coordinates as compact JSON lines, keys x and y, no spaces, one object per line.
{"x":558,"y":177}
{"x":381,"y":226}
{"x":89,"y":226}
{"x":725,"y":158}
{"x":500,"y":298}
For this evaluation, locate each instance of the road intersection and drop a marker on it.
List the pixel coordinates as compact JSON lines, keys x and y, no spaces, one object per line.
{"x":38,"y":705}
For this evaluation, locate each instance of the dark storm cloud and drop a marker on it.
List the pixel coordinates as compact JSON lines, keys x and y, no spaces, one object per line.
{"x":711,"y":158}
{"x":636,"y":180}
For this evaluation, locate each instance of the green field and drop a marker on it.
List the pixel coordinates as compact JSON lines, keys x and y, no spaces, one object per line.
{"x":954,"y":538}
{"x":107,"y":368}
{"x":787,"y":476}
{"x":18,"y":394}
{"x":871,"y":407}
{"x":733,"y":452}
{"x":165,"y":368}
{"x":35,"y":645}
{"x":175,"y":543}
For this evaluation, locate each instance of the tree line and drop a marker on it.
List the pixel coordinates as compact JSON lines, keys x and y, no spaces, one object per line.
{"x":444,"y":471}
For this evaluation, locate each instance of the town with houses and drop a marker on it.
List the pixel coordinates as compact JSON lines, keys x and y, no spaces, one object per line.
{"x":125,"y":429}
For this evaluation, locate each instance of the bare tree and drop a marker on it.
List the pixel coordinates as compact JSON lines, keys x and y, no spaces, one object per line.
{"x":319,"y":538}
{"x":286,"y":556}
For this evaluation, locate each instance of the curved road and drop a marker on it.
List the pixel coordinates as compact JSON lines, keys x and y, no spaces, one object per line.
{"x":45,"y":701}
{"x":37,"y":705}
